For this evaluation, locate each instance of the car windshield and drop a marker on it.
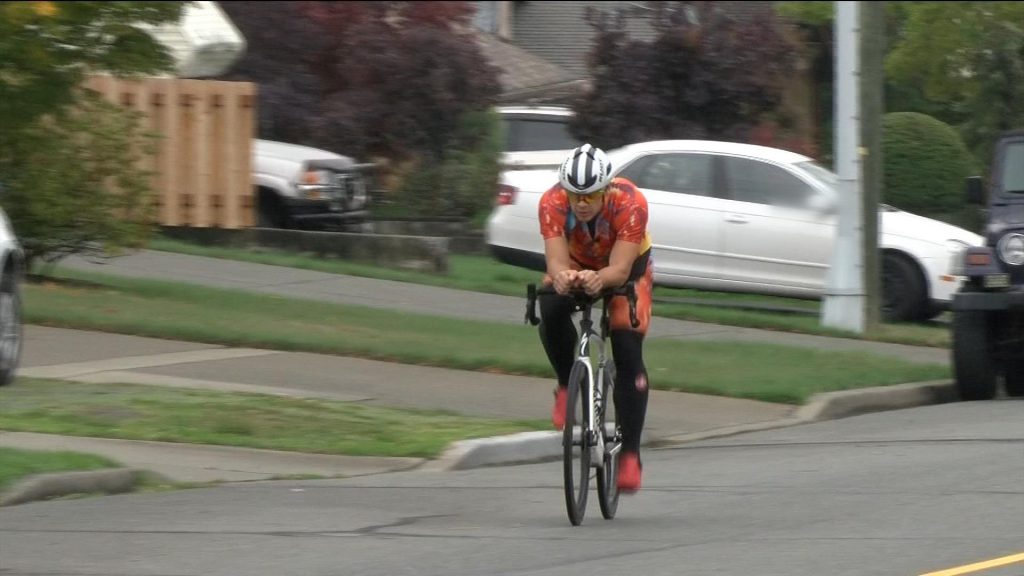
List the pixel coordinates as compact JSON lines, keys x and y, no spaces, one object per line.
{"x":820,"y":172}
{"x":1013,"y":169}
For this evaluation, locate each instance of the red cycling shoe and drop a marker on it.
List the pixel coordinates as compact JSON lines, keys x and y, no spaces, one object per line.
{"x":558,"y":412}
{"x":630,"y":471}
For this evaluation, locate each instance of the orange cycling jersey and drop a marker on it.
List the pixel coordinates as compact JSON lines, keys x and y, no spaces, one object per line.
{"x":623,"y":217}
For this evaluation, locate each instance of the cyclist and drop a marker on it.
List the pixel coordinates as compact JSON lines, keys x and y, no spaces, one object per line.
{"x":595,"y":237}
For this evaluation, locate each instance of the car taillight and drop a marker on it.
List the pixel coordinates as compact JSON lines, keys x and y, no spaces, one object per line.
{"x":506,"y":194}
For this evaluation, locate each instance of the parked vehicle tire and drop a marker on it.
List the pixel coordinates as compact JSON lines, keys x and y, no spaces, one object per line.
{"x":1014,"y":375}
{"x":10,"y":329}
{"x":904,"y":298}
{"x":973,"y":358}
{"x":270,"y":212}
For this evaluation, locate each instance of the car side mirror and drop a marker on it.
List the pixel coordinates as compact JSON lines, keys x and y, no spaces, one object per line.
{"x":975,"y":190}
{"x":821,"y":204}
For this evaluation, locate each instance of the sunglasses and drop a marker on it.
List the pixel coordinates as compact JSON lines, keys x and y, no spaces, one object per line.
{"x":585,"y":198}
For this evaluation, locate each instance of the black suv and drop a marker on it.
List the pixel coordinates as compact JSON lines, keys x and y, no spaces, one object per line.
{"x":988,"y":311}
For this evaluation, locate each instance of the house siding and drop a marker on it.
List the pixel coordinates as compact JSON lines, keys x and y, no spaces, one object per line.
{"x":559,"y":32}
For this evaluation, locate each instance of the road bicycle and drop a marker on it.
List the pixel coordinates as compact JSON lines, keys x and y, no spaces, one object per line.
{"x":591,"y":438}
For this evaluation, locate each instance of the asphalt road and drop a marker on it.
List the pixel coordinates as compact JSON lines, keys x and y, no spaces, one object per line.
{"x":897,"y":493}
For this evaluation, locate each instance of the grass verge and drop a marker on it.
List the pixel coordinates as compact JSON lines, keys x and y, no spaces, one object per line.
{"x":18,"y":464}
{"x":164,"y":414}
{"x":179,"y":311}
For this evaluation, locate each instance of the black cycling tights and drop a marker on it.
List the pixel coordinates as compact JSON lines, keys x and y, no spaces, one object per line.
{"x":558,"y":335}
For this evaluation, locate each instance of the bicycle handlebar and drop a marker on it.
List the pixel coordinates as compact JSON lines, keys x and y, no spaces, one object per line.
{"x":628,"y":290}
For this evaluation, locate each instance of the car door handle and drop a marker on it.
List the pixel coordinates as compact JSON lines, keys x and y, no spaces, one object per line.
{"x":736,"y":219}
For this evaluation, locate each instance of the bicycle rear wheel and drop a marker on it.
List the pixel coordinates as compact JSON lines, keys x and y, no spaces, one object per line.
{"x":607,"y":477}
{"x":575,"y":448}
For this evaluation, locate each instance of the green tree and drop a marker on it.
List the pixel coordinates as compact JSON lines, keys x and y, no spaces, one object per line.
{"x":969,"y":55}
{"x":75,"y":186}
{"x":69,"y":162}
{"x":47,"y":48}
{"x":961,"y":62}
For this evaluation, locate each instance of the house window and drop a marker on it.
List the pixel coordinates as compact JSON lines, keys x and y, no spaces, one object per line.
{"x":486,"y":18}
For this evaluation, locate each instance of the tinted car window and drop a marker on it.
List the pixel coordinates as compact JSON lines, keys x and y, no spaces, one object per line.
{"x":682,"y":173}
{"x":763,"y":183}
{"x":526,"y":134}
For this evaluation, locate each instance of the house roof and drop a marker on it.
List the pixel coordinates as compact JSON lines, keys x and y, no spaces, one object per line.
{"x":526,"y":77}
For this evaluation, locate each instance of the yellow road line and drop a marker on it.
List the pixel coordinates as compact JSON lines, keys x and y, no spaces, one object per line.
{"x":978,"y":566}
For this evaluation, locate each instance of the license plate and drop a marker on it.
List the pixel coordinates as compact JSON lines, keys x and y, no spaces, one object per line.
{"x":997,"y":281}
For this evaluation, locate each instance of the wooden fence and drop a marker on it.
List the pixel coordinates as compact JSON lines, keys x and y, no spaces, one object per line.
{"x":202,"y":166}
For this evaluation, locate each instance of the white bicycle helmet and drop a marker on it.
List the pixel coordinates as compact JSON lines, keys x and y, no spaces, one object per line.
{"x":585,"y":171}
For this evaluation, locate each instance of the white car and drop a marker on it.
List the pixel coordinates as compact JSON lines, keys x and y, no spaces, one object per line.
{"x":743,"y":218}
{"x":12,"y":267}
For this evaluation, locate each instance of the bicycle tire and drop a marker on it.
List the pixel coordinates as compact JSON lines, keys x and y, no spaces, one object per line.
{"x":575,"y":449}
{"x":607,"y":476}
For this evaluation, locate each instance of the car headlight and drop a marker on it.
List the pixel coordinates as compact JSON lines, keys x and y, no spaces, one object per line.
{"x":1011,"y":249}
{"x":956,"y":250}
{"x":312,"y":184}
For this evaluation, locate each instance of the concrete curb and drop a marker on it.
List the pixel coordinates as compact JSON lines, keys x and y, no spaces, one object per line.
{"x":529,"y":447}
{"x":53,"y":485}
{"x":544,"y":446}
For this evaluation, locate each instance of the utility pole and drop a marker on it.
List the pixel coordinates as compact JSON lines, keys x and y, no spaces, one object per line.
{"x":843,"y":305}
{"x":872,"y":84}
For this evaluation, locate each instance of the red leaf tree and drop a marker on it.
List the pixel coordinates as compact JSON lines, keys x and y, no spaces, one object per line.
{"x":714,"y":70}
{"x":367,"y":79}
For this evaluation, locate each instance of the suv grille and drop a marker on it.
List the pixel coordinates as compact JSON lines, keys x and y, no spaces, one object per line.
{"x":350,"y":189}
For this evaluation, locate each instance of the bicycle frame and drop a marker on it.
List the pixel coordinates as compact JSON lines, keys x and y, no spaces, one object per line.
{"x":595,"y":385}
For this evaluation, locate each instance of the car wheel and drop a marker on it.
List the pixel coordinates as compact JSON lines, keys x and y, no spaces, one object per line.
{"x":903,"y":293}
{"x":1014,"y":375}
{"x":10,"y":329}
{"x":270,"y":212}
{"x":973,"y":362}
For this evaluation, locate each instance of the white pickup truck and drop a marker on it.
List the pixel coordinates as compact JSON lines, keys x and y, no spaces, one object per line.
{"x":303,"y":187}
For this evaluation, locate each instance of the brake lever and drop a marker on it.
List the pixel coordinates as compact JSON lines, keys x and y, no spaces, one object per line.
{"x":531,"y":305}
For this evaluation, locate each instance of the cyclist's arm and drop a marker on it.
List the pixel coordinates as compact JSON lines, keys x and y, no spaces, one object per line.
{"x":559,"y":265}
{"x":620,"y":263}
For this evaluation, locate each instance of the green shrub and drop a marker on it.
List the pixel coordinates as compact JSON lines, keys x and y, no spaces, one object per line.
{"x":74,"y":182}
{"x":464,"y":183}
{"x":925,"y":163}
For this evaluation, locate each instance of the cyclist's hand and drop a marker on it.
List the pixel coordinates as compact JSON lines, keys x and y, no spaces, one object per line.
{"x":591,"y":282}
{"x":565,"y":281}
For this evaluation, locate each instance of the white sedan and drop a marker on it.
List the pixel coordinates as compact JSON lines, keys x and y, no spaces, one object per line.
{"x":745,"y":218}
{"x":11,"y":274}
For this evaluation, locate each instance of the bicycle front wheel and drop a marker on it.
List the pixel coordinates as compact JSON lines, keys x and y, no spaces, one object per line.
{"x":575,"y":447}
{"x":607,"y":476}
